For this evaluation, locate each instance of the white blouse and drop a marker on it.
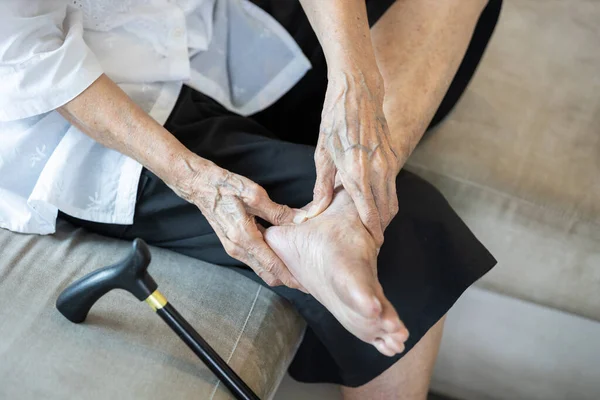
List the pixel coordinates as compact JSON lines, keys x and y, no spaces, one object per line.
{"x":52,"y":50}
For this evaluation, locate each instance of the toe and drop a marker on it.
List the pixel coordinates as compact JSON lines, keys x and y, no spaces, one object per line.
{"x":394,"y":343}
{"x":383,"y":348}
{"x":395,"y":328}
{"x":391,"y":323}
{"x":364,"y":302}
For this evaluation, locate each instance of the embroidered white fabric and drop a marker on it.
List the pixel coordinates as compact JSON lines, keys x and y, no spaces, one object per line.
{"x":52,"y":50}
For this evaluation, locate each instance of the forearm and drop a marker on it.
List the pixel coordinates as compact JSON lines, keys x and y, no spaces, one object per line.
{"x":430,"y":38}
{"x":343,"y":31}
{"x":106,"y":114}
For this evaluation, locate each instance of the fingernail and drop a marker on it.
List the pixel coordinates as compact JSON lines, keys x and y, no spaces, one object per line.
{"x":312,"y":211}
{"x":300,"y":217}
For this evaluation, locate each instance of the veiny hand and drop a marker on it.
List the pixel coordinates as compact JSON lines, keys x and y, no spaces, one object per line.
{"x":354,"y":143}
{"x":230,"y":202}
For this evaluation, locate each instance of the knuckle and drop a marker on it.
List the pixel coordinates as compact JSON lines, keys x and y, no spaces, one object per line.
{"x":372,"y":216}
{"x":237,"y":253}
{"x":270,"y":266}
{"x":280,"y":215}
{"x":231,"y":249}
{"x":380,"y":163}
{"x":255,"y":194}
{"x":247,"y":222}
{"x":235,"y":235}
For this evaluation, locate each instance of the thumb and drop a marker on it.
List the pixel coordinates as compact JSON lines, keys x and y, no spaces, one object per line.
{"x":278,"y":214}
{"x":324,"y":186}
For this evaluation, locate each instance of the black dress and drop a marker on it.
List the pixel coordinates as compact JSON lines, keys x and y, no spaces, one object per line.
{"x":429,"y":256}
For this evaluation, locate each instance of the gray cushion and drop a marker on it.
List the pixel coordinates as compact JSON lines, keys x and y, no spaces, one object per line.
{"x":520,"y":156}
{"x":124,"y":350}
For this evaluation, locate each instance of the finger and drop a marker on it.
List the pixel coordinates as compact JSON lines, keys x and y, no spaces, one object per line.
{"x":261,"y":229}
{"x":366,"y":206}
{"x":394,"y":207}
{"x":324,"y":185}
{"x":261,"y":205}
{"x":232,"y":243}
{"x":381,"y":195}
{"x":269,"y":279}
{"x":248,"y":259}
{"x":271,"y":264}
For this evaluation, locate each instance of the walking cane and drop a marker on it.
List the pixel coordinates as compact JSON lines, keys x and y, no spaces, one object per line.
{"x":131,"y":274}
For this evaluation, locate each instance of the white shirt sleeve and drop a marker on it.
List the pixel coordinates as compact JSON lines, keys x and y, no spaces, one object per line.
{"x":44,"y":61}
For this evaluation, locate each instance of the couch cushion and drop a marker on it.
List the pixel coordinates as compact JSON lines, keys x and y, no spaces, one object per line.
{"x":123,"y":350}
{"x":520,"y":156}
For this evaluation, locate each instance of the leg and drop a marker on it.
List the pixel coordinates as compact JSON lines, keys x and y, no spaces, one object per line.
{"x":395,"y":42}
{"x":409,"y":377}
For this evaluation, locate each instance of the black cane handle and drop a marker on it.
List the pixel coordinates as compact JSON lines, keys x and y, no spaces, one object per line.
{"x":129,"y":274}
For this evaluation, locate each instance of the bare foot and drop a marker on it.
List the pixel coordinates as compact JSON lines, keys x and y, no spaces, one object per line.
{"x":334,"y":258}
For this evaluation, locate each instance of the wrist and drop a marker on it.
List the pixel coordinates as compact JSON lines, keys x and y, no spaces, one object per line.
{"x":402,"y":149}
{"x":186,"y":174}
{"x":369,"y":80}
{"x":356,"y":66}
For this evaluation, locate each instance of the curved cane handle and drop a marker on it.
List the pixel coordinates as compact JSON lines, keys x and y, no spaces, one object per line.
{"x":128,"y":274}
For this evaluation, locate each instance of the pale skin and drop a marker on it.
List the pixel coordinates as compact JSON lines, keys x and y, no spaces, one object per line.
{"x":418,"y":46}
{"x":384,"y":87}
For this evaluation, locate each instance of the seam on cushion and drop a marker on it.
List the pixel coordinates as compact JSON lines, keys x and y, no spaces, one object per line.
{"x":235,"y":345}
{"x":553,"y":210}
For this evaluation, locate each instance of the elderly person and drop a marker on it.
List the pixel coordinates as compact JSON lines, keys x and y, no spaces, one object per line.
{"x":265,"y":136}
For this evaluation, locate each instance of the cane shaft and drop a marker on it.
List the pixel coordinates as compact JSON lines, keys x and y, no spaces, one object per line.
{"x":201,"y":348}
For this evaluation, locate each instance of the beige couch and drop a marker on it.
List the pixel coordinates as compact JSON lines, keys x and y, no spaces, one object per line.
{"x":520,"y":161}
{"x":123,"y":350}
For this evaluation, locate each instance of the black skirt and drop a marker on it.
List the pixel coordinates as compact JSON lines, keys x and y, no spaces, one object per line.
{"x":429,"y":256}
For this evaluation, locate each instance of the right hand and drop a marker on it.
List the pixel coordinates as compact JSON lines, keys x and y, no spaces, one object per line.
{"x":230,"y":203}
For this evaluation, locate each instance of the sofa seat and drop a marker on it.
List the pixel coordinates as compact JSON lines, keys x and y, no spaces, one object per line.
{"x":519,"y":158}
{"x":123,"y":350}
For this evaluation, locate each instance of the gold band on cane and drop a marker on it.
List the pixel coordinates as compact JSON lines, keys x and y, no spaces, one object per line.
{"x":156,"y":300}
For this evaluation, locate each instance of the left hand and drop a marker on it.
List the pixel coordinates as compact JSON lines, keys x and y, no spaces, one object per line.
{"x":354,"y":143}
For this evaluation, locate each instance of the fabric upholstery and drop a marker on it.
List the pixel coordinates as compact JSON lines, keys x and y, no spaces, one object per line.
{"x":123,"y":350}
{"x":519,"y":158}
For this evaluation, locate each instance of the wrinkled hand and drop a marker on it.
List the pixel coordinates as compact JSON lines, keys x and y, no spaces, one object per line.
{"x":230,"y":203}
{"x":354,"y":143}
